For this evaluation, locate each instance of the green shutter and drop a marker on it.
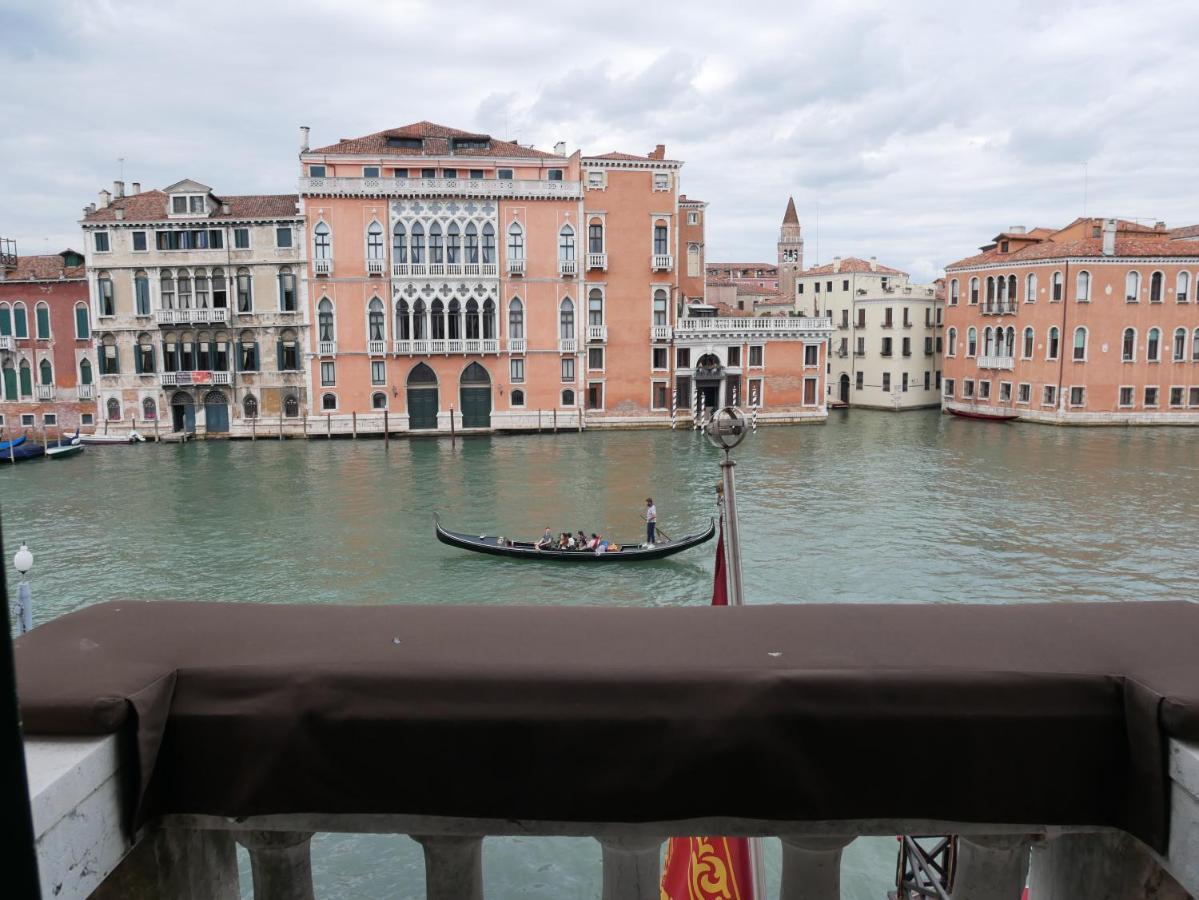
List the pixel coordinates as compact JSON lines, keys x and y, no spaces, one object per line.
{"x":85,"y":372}
{"x":21,"y":322}
{"x":10,"y":383}
{"x":257,"y":358}
{"x":43,"y":322}
{"x":82,"y":330}
{"x":46,"y":371}
{"x":26,"y":381}
{"x":137,"y":358}
{"x":5,"y":321}
{"x":280,"y":348}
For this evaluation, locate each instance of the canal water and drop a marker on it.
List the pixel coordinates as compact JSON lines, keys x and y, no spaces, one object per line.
{"x":872,"y":507}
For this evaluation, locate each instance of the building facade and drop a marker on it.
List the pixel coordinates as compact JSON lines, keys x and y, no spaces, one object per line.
{"x":763,"y":276}
{"x":885,"y":350}
{"x":47,"y":367}
{"x":1095,"y":323}
{"x":198,"y":310}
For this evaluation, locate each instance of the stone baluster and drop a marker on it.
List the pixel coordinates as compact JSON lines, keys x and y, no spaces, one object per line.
{"x":632,"y":868}
{"x":172,"y":864}
{"x":812,"y":866}
{"x":1107,"y":866}
{"x":991,"y":867}
{"x":453,"y":866}
{"x":280,"y":863}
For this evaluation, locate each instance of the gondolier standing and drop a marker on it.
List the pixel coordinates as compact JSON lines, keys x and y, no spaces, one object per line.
{"x":651,"y":520}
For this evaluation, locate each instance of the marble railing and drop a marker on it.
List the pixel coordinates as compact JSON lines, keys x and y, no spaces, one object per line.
{"x":76,"y":786}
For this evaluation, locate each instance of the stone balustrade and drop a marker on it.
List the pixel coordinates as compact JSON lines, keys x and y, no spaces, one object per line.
{"x":706,"y":328}
{"x":76,"y":783}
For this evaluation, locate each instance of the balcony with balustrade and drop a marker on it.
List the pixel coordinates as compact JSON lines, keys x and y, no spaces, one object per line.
{"x":517,"y":345}
{"x":183,"y":378}
{"x":376,"y":348}
{"x":201,"y":315}
{"x":448,"y":269}
{"x":662,"y":262}
{"x":998,"y":308}
{"x":6,"y":342}
{"x":568,"y":345}
{"x":659,"y":333}
{"x":322,"y":266}
{"x":44,"y":392}
{"x":447,"y":347}
{"x":597,"y":261}
{"x":497,"y":188}
{"x":753,"y":327}
{"x":568,"y":268}
{"x":597,"y":334}
{"x":326,"y":348}
{"x":85,"y":391}
{"x":996,"y":362}
{"x":375,"y":266}
{"x":516,"y":266}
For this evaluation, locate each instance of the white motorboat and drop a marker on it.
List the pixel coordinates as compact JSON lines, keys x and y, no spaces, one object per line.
{"x":130,"y":438}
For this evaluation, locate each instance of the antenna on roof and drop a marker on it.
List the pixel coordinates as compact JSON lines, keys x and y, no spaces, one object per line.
{"x":817,"y":232}
{"x":1084,"y":190}
{"x":121,"y":163}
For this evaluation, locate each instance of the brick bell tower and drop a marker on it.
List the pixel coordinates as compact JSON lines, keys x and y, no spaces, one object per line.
{"x":790,"y":250}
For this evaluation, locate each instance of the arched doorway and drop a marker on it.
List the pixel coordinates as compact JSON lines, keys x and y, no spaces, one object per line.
{"x":216,"y":413}
{"x":845,"y":389}
{"x":422,"y":397}
{"x":183,"y":412}
{"x":476,"y":397}
{"x":708,"y":375}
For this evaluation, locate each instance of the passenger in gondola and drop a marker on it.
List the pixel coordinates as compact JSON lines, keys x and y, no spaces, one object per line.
{"x":547,"y":540}
{"x":594,"y":542}
{"x":564,"y":541}
{"x":580,"y":540}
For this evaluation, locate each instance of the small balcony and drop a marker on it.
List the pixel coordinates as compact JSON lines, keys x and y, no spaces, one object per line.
{"x":205,"y":376}
{"x":568,"y":268}
{"x":659,"y":332}
{"x":516,"y":345}
{"x":374,"y":267}
{"x":597,"y":333}
{"x":326,"y":348}
{"x":662,"y":262}
{"x":996,"y":362}
{"x":85,"y":391}
{"x":376,"y":348}
{"x":568,"y":345}
{"x":203,"y":315}
{"x":322,"y":266}
{"x":516,"y":267}
{"x":44,"y":391}
{"x":6,"y":342}
{"x":998,"y":308}
{"x":597,"y":261}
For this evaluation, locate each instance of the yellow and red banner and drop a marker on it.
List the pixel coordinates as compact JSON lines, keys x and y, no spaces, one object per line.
{"x":708,"y":868}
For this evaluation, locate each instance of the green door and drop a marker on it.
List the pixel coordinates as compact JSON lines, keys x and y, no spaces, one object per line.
{"x":422,"y":407}
{"x":476,"y":407}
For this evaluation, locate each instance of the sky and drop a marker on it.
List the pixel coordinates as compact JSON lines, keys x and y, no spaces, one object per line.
{"x":910,"y":131}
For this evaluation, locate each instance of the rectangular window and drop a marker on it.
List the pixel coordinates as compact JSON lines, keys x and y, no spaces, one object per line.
{"x":659,"y":359}
{"x":370,"y":171}
{"x":449,"y":173}
{"x":328,"y":373}
{"x":1024,"y":393}
{"x":476,"y":174}
{"x":928,"y":379}
{"x":1005,"y":391}
{"x":809,"y":391}
{"x":861,"y":318}
{"x":248,"y":356}
{"x":101,"y":239}
{"x":682,"y":391}
{"x":907,"y":346}
{"x":178,"y":206}
{"x":27,"y":419}
{"x":553,"y":175}
{"x":948,"y":386}
{"x":888,"y":321}
{"x":283,"y":236}
{"x":692,"y":218}
{"x":755,"y":392}
{"x":516,"y":371}
{"x":595,"y":179}
{"x":503,"y":174}
{"x":139,"y":241}
{"x":1176,"y":396}
{"x":904,"y":383}
{"x":659,"y":399}
{"x":1078,"y":396}
{"x":817,"y":287}
{"x":907,"y":317}
{"x":1193,"y":397}
{"x":289,"y":356}
{"x":755,"y":357}
{"x":859,"y":380}
{"x":595,"y":358}
{"x":799,"y":287}
{"x":1151,"y":395}
{"x":595,"y":395}
{"x":568,"y":368}
{"x":682,"y":358}
{"x":428,"y":173}
{"x":1049,"y":395}
{"x":287,"y":292}
{"x":1126,"y":396}
{"x":241,"y":238}
{"x":886,"y":346}
{"x":378,"y":372}
{"x":734,"y":356}
{"x":968,"y":388}
{"x":49,"y":419}
{"x":196,"y":204}
{"x":811,"y":355}
{"x":316,"y":171}
{"x":886,"y":381}
{"x":661,"y":181}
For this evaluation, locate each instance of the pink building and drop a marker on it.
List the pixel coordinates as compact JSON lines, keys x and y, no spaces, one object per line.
{"x":1095,"y":323}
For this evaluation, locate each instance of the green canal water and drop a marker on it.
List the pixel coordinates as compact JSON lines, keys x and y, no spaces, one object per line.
{"x":872,"y":507}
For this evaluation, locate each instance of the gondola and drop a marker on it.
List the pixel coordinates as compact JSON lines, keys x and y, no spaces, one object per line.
{"x":631,"y":552}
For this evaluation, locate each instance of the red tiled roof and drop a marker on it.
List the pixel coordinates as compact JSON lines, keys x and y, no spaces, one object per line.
{"x":742,"y":265}
{"x":435,"y":142}
{"x":853,"y":265}
{"x":42,"y":268}
{"x":151,"y":206}
{"x":1128,"y":247}
{"x":613,"y":154}
{"x":719,"y":282}
{"x":683,"y":198}
{"x":754,"y":289}
{"x":1184,"y":233}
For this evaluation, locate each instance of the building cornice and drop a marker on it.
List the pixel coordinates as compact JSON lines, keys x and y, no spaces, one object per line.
{"x":1077,"y":260}
{"x":650,"y":164}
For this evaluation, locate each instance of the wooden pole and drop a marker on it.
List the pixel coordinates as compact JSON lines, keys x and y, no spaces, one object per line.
{"x":329,"y":426}
{"x":253,"y":429}
{"x":539,"y":421}
{"x":280,"y":419}
{"x":386,"y":430}
{"x":156,"y":428}
{"x":452,"y":436}
{"x":354,"y":424}
{"x":555,"y":420}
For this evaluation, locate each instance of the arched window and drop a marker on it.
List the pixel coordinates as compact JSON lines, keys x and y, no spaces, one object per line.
{"x":220,"y":290}
{"x":436,"y":249}
{"x":110,"y":361}
{"x":291,"y":406}
{"x":990,"y":290}
{"x":516,"y":241}
{"x":41,"y":319}
{"x":8,"y":387}
{"x":245,"y":296}
{"x":6,"y":320}
{"x":201,"y":289}
{"x":566,"y":243}
{"x":420,"y":322}
{"x":1080,"y":344}
{"x":951,"y":342}
{"x":1057,"y":286}
{"x":143,"y":355}
{"x":1132,"y":287}
{"x":488,"y":319}
{"x":378,"y":400}
{"x":1002,"y":290}
{"x":45,"y":372}
{"x":141,"y":293}
{"x":1009,"y":343}
{"x":322,"y":242}
{"x":974,"y":291}
{"x":1051,"y":345}
{"x":328,"y":401}
{"x":1153,"y":346}
{"x":437,"y":317}
{"x":517,"y":398}
{"x":113,"y":407}
{"x":488,"y":244}
{"x":987,"y":349}
{"x":249,"y":406}
{"x":149,"y":409}
{"x":26,"y":376}
{"x":516,"y":319}
{"x":375,"y":319}
{"x":1195,"y":346}
{"x":568,"y":398}
{"x":106,"y":299}
{"x":453,"y":244}
{"x":660,"y":307}
{"x":83,"y":328}
{"x":1182,"y":287}
{"x":417,"y":245}
{"x":374,"y":241}
{"x":399,"y":244}
{"x":1128,"y":346}
{"x":85,"y":371}
{"x":166,"y":290}
{"x":20,"y":320}
{"x":1029,"y":340}
{"x":1030,"y":288}
{"x":455,"y":319}
{"x":421,"y":374}
{"x":595,"y":236}
{"x":1156,"y":281}
{"x":185,"y":288}
{"x":1180,"y":344}
{"x":324,"y":318}
{"x":566,"y":319}
{"x":472,"y":244}
{"x":972,"y":342}
{"x":472,"y":320}
{"x":595,"y":307}
{"x":403,"y":326}
{"x":953,"y":292}
{"x":1082,"y":288}
{"x":1011,"y":288}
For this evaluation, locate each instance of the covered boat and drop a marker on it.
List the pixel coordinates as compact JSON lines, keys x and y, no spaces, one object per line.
{"x":21,"y":450}
{"x":15,"y":442}
{"x":629,"y":552}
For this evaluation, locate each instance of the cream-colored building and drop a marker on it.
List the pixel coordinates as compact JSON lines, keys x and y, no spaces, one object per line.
{"x":887,"y":336}
{"x":198,"y":307}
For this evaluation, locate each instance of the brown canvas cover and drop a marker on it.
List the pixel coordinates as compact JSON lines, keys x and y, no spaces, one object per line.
{"x":1028,"y":714}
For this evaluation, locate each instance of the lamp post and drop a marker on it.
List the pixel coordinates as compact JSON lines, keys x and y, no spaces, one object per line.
{"x":23,"y":561}
{"x":725,"y":430}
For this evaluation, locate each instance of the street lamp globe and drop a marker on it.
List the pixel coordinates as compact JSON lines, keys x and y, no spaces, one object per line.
{"x":23,"y":560}
{"x":727,"y":428}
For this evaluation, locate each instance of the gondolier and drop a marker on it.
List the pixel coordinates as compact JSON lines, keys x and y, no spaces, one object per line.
{"x":651,"y":520}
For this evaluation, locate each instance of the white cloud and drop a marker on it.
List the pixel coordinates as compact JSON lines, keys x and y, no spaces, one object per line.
{"x":919,"y":129}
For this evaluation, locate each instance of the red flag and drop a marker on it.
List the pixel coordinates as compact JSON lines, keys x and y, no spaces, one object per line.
{"x":710,"y":868}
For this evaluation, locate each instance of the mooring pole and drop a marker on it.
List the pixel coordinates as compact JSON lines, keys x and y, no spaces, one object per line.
{"x":732,"y":537}
{"x":452,"y":436}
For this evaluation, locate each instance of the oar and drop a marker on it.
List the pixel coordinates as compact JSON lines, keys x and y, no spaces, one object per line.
{"x":658,"y":530}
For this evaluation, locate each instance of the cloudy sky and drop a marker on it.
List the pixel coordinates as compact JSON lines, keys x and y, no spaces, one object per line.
{"x":910,"y":131}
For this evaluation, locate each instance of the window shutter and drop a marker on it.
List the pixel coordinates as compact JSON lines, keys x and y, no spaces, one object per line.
{"x":137,"y":359}
{"x":257,"y":358}
{"x":43,"y":322}
{"x":279,"y":345}
{"x":26,"y":381}
{"x":5,"y":321}
{"x":81,"y":323}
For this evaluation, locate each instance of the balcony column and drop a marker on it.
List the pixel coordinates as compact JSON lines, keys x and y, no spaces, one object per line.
{"x":174,"y":864}
{"x":453,"y":866}
{"x":812,"y":866}
{"x":1106,"y":866}
{"x":280,"y":863}
{"x":992,"y":867}
{"x":632,"y":867}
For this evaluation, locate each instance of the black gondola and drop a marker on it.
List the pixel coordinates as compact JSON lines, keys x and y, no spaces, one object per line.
{"x":631,"y":552}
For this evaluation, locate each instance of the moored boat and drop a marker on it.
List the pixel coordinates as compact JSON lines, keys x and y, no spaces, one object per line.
{"x":15,"y":442}
{"x":64,"y":450}
{"x":978,"y":414}
{"x":19,"y":451}
{"x":630,"y":552}
{"x":130,"y":438}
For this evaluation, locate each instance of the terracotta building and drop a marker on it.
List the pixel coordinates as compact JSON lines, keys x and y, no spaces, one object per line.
{"x":1094,"y":323}
{"x":47,"y":374}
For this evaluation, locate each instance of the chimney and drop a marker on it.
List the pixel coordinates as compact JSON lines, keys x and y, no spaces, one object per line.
{"x":659,"y":152}
{"x":119,"y":213}
{"x":137,"y":189}
{"x":1016,"y":229}
{"x":836,"y":264}
{"x":91,"y":207}
{"x":1159,"y":226}
{"x":225,"y":210}
{"x":874,"y":264}
{"x":1109,"y":237}
{"x":105,"y":197}
{"x":118,"y":189}
{"x":560,"y":148}
{"x":303,"y":138}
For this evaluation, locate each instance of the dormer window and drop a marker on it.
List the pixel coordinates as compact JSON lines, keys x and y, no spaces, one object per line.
{"x":188,"y":205}
{"x":1003,"y":247}
{"x":405,"y":143}
{"x":316,"y":171}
